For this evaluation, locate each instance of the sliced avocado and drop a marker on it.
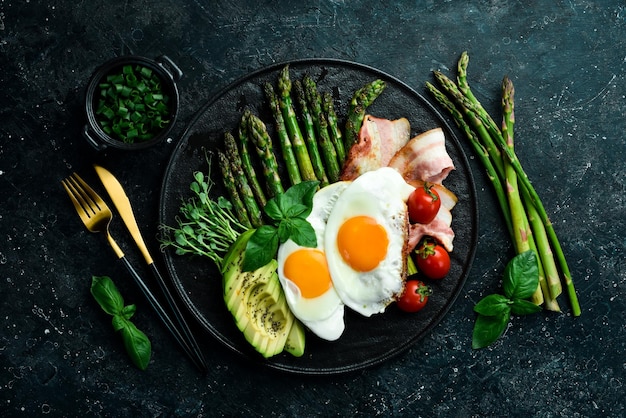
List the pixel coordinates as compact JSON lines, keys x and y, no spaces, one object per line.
{"x":256,"y":300}
{"x":296,"y":339}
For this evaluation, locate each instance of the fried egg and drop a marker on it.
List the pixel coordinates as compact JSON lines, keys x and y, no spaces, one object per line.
{"x":304,"y":275}
{"x":365,"y":240}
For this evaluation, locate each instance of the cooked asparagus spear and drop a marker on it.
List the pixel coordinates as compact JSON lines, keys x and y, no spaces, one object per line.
{"x":333,"y":124}
{"x":246,"y":159}
{"x":263,"y":146}
{"x":309,"y":134}
{"x":361,"y":100}
{"x":285,"y":143}
{"x":229,"y":182}
{"x":293,"y":128}
{"x":321,"y":126}
{"x":241,"y":182}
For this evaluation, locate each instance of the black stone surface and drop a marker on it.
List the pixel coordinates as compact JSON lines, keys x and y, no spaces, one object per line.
{"x":58,"y":356}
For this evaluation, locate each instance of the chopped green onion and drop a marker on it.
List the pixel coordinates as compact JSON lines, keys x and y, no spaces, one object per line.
{"x":132,"y":105}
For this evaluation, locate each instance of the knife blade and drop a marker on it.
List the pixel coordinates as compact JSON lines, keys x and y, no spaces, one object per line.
{"x":122,"y":204}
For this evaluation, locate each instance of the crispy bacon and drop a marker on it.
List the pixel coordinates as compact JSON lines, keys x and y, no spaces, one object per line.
{"x":379,"y":140}
{"x":439,"y":229}
{"x":424,"y":158}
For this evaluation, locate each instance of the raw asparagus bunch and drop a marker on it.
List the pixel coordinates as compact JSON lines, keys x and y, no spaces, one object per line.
{"x":524,"y":214}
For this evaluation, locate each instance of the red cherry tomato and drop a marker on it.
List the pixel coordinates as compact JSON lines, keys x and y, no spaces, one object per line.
{"x":423,"y":203}
{"x":414,"y":297}
{"x":432,"y":260}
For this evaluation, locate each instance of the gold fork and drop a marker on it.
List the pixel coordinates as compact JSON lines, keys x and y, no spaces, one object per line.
{"x":97,"y":216}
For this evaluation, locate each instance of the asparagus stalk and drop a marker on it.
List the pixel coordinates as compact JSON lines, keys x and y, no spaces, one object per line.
{"x":285,"y":143}
{"x":293,"y":128}
{"x":309,"y":134}
{"x":476,"y":121}
{"x":246,"y":160}
{"x":321,"y":125}
{"x":241,"y":182}
{"x":360,"y":101}
{"x":480,"y":151}
{"x":264,"y":149}
{"x":229,"y":182}
{"x":496,"y":145}
{"x":521,"y":229}
{"x":333,"y":124}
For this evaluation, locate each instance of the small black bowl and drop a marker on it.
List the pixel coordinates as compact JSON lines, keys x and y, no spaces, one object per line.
{"x":163,"y":68}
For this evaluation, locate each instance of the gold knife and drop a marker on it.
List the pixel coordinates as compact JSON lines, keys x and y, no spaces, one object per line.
{"x":123,"y":206}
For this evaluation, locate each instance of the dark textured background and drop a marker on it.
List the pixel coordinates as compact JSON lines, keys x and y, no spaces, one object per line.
{"x":568,"y":61}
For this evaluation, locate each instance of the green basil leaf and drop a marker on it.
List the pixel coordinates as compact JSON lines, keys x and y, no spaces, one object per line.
{"x":521,"y":276}
{"x":137,"y":345}
{"x":493,"y":305}
{"x":297,"y":210}
{"x":261,"y":248}
{"x":487,"y":329}
{"x":302,"y":233}
{"x":118,"y":322}
{"x":284,"y":230}
{"x":128,"y":311}
{"x":303,"y":193}
{"x":272,"y":209}
{"x":524,"y":307}
{"x":106,"y":294}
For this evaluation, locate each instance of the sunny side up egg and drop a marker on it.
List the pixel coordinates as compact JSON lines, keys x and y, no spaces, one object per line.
{"x":365,"y":238}
{"x":304,"y":275}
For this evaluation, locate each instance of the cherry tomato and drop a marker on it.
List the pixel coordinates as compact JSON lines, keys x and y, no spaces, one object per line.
{"x":414,"y":297}
{"x":432,"y":260}
{"x":423,"y":203}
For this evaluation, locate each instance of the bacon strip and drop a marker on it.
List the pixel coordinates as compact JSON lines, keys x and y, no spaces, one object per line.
{"x":439,"y":229}
{"x":379,"y":140}
{"x":424,"y":158}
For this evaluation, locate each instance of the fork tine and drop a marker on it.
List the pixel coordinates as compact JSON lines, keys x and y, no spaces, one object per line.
{"x":79,"y":203}
{"x":89,"y":193}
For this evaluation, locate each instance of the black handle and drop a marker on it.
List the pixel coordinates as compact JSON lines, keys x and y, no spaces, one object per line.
{"x":163,"y":315}
{"x":177,"y":312}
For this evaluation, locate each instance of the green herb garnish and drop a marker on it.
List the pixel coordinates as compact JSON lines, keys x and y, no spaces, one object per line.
{"x":132,"y":105}
{"x":521,"y":278}
{"x":110,"y":300}
{"x":206,"y":227}
{"x":288,"y":211}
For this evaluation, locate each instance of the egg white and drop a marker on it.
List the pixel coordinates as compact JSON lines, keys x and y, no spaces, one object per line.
{"x":382,"y":195}
{"x":324,"y":314}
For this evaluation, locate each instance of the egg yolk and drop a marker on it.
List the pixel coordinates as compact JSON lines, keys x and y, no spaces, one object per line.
{"x":308,"y":269}
{"x":362,"y":242}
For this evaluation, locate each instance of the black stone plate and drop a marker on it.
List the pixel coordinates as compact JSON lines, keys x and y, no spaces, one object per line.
{"x":366,"y":341}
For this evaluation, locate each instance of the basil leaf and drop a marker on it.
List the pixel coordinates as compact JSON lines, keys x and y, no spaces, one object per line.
{"x":137,"y":345}
{"x":303,"y":193}
{"x":487,"y":329}
{"x":118,"y":322}
{"x":272,"y":209}
{"x":521,"y":276}
{"x":524,"y":307}
{"x":261,"y":248}
{"x":106,"y":294}
{"x":297,"y":210}
{"x":284,"y":230}
{"x":302,"y":233}
{"x":128,"y":311}
{"x":493,"y":305}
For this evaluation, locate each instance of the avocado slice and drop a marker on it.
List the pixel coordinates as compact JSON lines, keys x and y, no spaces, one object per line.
{"x":256,"y":300}
{"x":296,"y":339}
